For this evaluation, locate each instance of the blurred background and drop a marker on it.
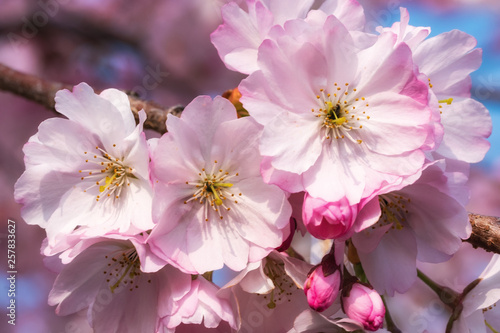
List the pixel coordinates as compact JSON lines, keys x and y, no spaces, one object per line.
{"x":161,"y":50}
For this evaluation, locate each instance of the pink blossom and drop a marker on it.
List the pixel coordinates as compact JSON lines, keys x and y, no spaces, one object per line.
{"x":421,"y":221}
{"x":338,"y":112}
{"x":269,"y":293}
{"x":482,"y":299}
{"x":107,"y":279}
{"x":89,"y":173}
{"x":364,"y":305}
{"x":211,"y":205}
{"x":243,"y":31}
{"x":410,"y":35}
{"x":322,"y":290}
{"x":465,"y":140}
{"x":447,"y":60}
{"x":201,"y":306}
{"x":312,"y":321}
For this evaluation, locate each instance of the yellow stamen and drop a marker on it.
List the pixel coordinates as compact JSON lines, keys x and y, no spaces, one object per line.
{"x":109,"y":180}
{"x":447,"y":101}
{"x":218,"y":200}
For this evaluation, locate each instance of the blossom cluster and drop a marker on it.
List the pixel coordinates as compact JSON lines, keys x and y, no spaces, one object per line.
{"x":346,"y":180}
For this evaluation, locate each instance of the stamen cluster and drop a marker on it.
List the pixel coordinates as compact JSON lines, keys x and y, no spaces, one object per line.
{"x":284,"y":287}
{"x":110,"y":173}
{"x":394,"y":210}
{"x":213,"y":191}
{"x":341,"y":112}
{"x":123,"y":268}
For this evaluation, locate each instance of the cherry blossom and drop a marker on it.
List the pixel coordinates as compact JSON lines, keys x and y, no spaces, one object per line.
{"x":338,"y":113}
{"x":481,"y":299}
{"x":117,"y":289}
{"x":211,"y":204}
{"x":270,"y":288}
{"x":447,"y":60}
{"x":202,"y":306}
{"x":107,"y":279}
{"x":327,"y":193}
{"x":312,"y":321}
{"x":422,"y":220}
{"x":238,"y":39}
{"x":89,"y":173}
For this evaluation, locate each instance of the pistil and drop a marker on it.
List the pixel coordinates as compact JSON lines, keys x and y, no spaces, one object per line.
{"x":341,"y":112}
{"x":213,"y":190}
{"x":110,"y":173}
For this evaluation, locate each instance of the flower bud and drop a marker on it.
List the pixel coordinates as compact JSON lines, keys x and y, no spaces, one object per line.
{"x":364,"y":305}
{"x":327,"y":220}
{"x":321,"y":290}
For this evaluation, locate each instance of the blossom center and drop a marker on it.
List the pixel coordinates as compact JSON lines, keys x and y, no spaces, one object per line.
{"x":109,"y":173}
{"x":214,"y":191}
{"x":333,"y":116}
{"x":284,"y":286}
{"x":394,"y":210}
{"x":342,"y":113}
{"x":122,"y":270}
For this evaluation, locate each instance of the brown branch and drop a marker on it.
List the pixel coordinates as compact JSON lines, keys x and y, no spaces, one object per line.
{"x":29,"y":86}
{"x":43,"y":92}
{"x":485,"y":232}
{"x":485,"y":229}
{"x":156,"y":114}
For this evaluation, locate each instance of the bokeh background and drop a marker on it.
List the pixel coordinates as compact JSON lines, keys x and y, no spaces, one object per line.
{"x":161,"y":50}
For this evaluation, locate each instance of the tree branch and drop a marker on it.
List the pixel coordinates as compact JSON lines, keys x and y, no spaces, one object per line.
{"x":485,"y":232}
{"x":485,"y":229}
{"x":30,"y":87}
{"x":43,"y":92}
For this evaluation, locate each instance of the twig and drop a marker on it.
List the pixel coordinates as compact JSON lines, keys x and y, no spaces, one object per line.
{"x":485,"y":232}
{"x":485,"y":229}
{"x":30,"y":87}
{"x":156,"y":114}
{"x":43,"y":92}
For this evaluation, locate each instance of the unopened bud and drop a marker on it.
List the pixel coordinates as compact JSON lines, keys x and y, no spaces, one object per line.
{"x":364,"y":305}
{"x":321,"y":290}
{"x":327,"y":220}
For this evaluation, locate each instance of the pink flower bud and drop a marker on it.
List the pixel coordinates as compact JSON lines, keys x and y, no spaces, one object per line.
{"x":327,"y":220}
{"x":321,"y":290}
{"x":364,"y":305}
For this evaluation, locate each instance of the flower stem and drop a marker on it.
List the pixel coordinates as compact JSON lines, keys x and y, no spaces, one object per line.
{"x":446,"y":295}
{"x":491,"y":328}
{"x":360,"y":273}
{"x":391,"y":326}
{"x":434,"y":286}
